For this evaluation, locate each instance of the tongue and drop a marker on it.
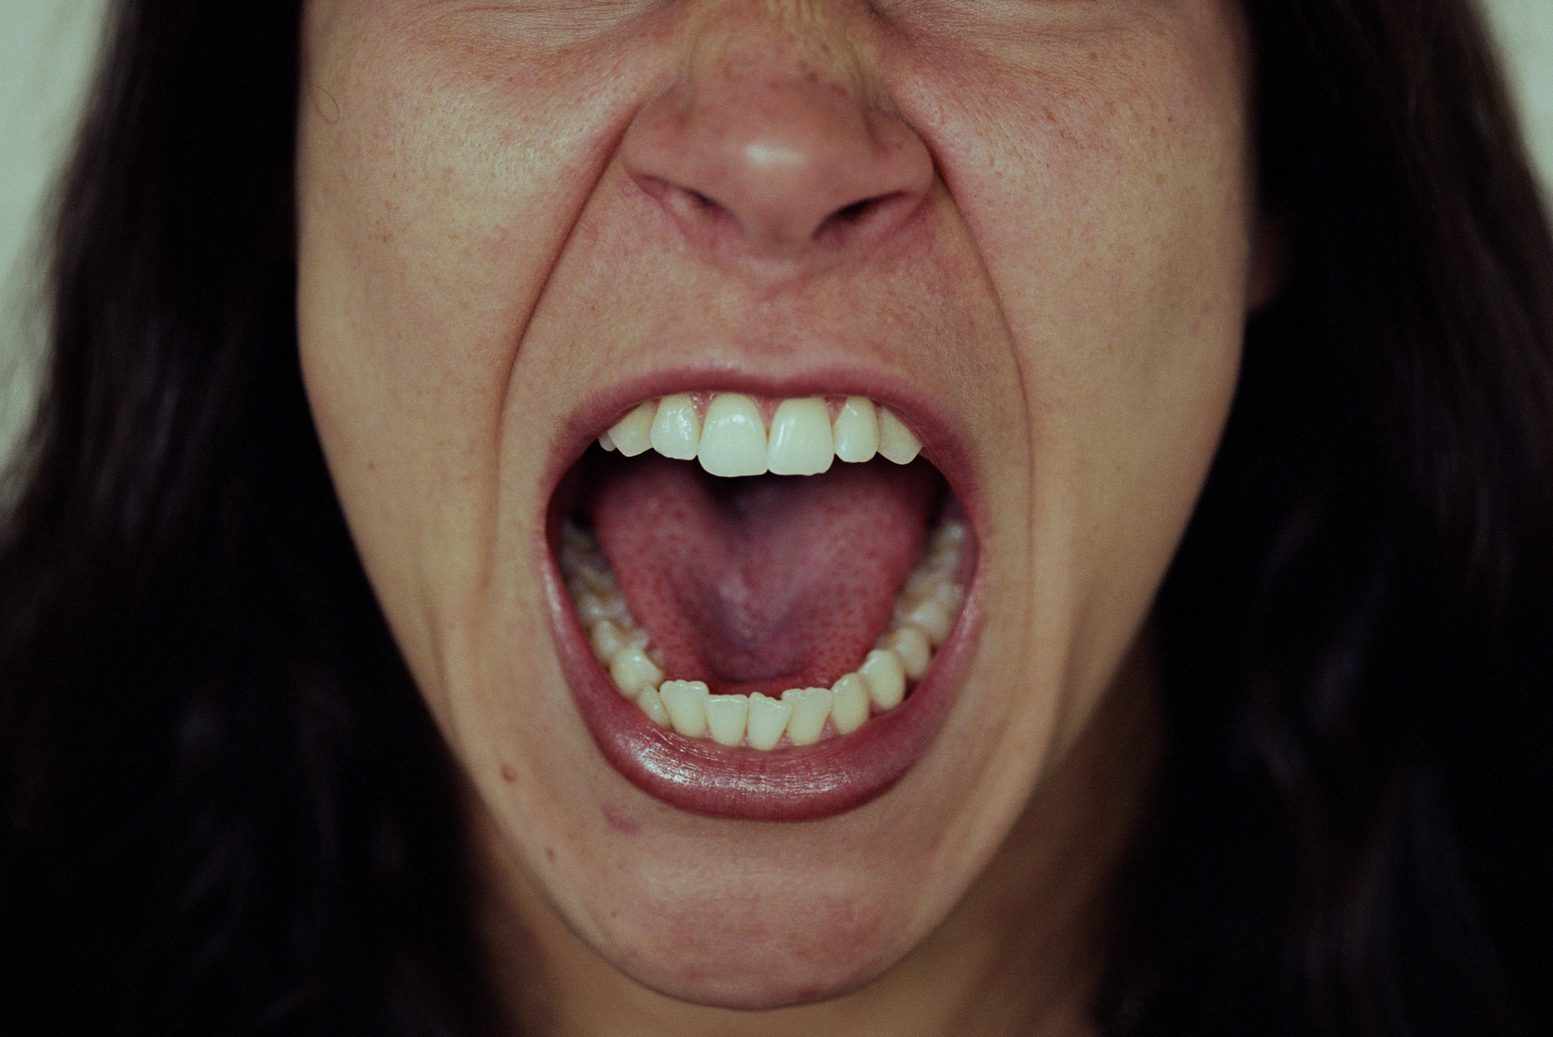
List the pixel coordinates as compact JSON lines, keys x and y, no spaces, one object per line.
{"x":766,"y":583}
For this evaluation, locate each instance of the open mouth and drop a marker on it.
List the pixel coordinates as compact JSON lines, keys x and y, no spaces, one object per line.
{"x":760,"y":591}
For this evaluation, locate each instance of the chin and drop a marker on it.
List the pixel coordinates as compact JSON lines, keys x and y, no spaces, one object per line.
{"x":742,"y":964}
{"x":749,"y":990}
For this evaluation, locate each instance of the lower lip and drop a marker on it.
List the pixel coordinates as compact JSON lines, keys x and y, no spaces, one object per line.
{"x":794,"y":784}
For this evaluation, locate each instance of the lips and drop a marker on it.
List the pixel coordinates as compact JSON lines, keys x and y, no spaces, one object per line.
{"x":762,"y":647}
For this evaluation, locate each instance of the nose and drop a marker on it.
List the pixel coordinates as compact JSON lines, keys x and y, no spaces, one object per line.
{"x":772,"y":142}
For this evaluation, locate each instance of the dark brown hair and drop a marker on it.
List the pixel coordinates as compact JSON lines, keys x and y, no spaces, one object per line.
{"x":225,"y":810}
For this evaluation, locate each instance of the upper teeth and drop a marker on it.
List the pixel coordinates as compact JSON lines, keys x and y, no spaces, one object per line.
{"x":729,"y":437}
{"x":925,"y":610}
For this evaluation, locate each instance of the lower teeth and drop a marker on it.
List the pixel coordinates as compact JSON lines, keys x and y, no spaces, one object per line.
{"x":926,"y":608}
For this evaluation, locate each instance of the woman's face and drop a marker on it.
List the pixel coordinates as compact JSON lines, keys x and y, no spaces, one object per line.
{"x":1022,"y":227}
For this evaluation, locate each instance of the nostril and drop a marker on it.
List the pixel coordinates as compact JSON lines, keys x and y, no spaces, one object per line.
{"x":854,"y":213}
{"x":690,"y":205}
{"x":697,"y":209}
{"x":857,"y":217}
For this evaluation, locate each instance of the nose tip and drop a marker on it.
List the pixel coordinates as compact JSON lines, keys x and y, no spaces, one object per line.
{"x":774,"y":156}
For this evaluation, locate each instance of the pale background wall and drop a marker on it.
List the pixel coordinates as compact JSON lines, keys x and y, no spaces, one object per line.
{"x":46,"y":52}
{"x":46,"y":49}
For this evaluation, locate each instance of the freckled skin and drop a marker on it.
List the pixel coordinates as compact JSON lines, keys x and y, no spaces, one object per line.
{"x":1057,"y":250}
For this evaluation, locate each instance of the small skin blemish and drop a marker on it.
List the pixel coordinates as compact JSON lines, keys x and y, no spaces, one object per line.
{"x":622,"y":822}
{"x":509,"y":773}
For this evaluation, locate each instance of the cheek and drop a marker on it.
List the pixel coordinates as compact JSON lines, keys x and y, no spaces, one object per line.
{"x":1109,"y":191}
{"x":399,"y":374}
{"x":1109,"y":196}
{"x":435,"y":189}
{"x":1113,"y":208}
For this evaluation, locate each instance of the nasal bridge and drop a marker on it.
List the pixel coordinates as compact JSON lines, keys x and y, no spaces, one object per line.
{"x":813,"y":30}
{"x":799,"y":14}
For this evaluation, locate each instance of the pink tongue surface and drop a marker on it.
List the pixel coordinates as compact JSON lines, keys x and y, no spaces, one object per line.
{"x":765,"y":583}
